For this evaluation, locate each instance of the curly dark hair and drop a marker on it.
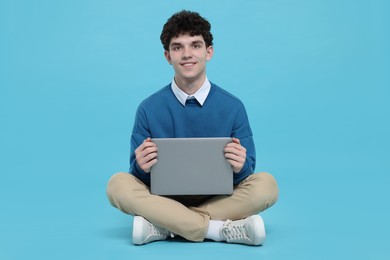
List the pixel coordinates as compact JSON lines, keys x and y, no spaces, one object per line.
{"x":186,"y":22}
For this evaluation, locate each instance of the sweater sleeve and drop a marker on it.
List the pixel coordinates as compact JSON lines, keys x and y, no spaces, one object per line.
{"x":139,"y":134}
{"x":242,"y":131}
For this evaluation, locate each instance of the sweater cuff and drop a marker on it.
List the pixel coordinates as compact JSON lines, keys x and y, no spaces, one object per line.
{"x":140,"y":174}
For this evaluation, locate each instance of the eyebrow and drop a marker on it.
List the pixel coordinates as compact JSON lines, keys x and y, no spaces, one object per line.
{"x":197,"y":42}
{"x":179,"y":44}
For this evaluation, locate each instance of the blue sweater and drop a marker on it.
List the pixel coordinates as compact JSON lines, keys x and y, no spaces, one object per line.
{"x":162,"y":116}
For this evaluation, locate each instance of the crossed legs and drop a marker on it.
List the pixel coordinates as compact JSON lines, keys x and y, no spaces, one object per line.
{"x":253,"y":195}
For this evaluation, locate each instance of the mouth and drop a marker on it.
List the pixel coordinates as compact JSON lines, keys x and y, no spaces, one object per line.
{"x":188,"y":64}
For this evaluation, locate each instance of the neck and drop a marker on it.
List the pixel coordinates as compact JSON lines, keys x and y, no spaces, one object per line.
{"x":190,"y":86}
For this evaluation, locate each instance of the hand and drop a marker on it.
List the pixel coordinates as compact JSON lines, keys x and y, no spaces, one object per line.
{"x":146,"y":155}
{"x":235,"y":154}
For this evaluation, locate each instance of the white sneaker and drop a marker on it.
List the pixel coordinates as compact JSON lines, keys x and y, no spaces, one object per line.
{"x":145,"y":232}
{"x":249,"y":231}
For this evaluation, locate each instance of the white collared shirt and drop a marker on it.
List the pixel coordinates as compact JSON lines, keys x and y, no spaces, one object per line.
{"x":199,"y":95}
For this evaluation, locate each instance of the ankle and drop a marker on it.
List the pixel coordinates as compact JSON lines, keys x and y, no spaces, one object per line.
{"x":213,"y":231}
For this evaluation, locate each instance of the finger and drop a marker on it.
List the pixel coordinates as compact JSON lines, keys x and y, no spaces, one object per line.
{"x":148,"y":150}
{"x":147,"y":154}
{"x":147,"y":166}
{"x":236,"y":167}
{"x":233,"y":157}
{"x":148,"y":143}
{"x":236,"y":140}
{"x":148,"y":161}
{"x":237,"y":151}
{"x":235,"y":145}
{"x":144,"y":150}
{"x":144,"y":145}
{"x":145,"y":157}
{"x":234,"y":164}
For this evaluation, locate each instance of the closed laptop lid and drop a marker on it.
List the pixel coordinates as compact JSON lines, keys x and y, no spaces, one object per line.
{"x":191,"y":166}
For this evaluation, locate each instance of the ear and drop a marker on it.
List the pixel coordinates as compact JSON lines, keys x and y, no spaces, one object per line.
{"x":168,"y":57}
{"x":210,"y":52}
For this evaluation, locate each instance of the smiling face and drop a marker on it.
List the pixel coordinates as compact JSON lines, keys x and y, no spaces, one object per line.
{"x":188,"y":55}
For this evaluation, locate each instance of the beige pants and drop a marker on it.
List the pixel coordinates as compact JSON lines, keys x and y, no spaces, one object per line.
{"x":188,"y":216}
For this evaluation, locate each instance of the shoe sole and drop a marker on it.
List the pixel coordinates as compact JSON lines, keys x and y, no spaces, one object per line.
{"x":138,"y":224}
{"x":259,"y":229}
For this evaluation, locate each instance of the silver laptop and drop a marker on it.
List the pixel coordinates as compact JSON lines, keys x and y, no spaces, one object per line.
{"x":191,"y":166}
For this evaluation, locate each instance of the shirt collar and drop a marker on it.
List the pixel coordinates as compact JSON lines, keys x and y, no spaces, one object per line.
{"x":199,"y":95}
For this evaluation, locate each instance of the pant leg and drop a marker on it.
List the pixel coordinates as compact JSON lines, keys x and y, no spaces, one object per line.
{"x":256,"y":193}
{"x":132,"y":196}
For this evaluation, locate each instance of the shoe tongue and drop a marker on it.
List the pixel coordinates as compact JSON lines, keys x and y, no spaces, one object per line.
{"x":235,"y":233}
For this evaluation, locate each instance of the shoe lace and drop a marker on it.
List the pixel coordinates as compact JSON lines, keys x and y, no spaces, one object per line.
{"x":234,"y":231}
{"x":158,"y":231}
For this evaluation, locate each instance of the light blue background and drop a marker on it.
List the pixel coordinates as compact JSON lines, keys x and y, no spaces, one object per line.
{"x":314,"y":76}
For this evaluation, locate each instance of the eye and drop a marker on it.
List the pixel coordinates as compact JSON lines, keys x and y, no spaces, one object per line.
{"x":176,"y":48}
{"x":196,"y":46}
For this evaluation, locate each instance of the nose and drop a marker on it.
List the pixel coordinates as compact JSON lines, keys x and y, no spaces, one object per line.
{"x":187,"y":53}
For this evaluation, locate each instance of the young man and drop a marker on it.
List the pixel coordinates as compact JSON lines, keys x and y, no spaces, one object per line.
{"x":191,"y":106}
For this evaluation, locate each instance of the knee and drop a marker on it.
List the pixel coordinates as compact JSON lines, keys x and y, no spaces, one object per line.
{"x":114,"y":184}
{"x":270,"y":184}
{"x":266,"y":190}
{"x":268,"y":180}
